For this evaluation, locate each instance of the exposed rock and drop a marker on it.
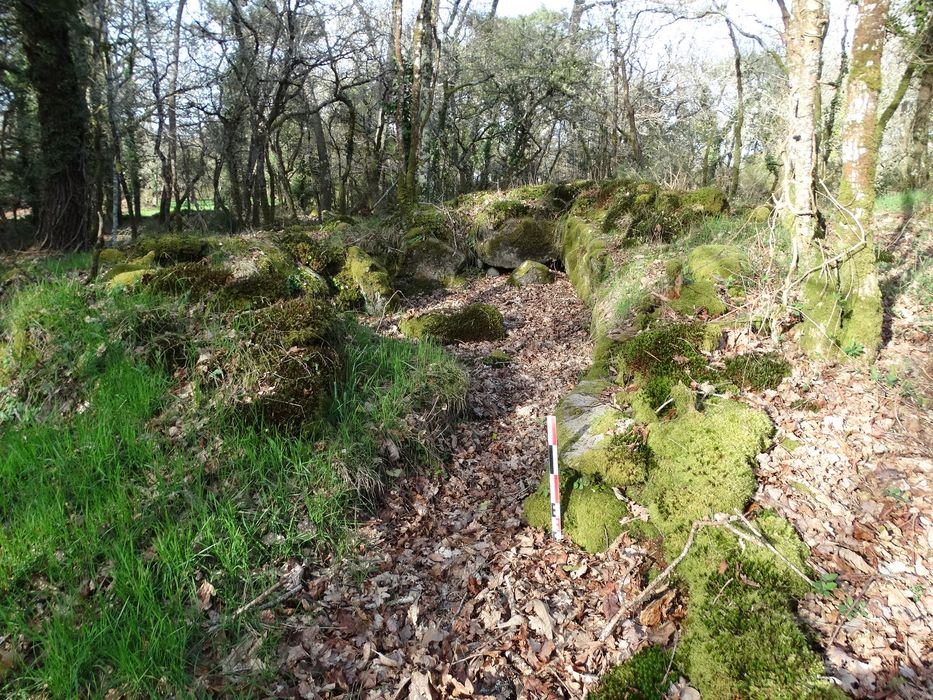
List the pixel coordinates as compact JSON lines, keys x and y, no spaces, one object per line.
{"x":518,"y":240}
{"x":530,"y":272}
{"x":432,"y":260}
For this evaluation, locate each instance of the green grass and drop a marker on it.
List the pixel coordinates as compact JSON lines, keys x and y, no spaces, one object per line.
{"x":107,"y":527}
{"x":196,"y":205}
{"x":903,"y":202}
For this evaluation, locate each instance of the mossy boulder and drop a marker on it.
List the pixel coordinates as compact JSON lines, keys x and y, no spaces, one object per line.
{"x":697,"y":282}
{"x":170,"y":248}
{"x":258,"y":290}
{"x":656,"y":360}
{"x":518,"y":240}
{"x":111,"y":256}
{"x":530,"y":273}
{"x":145,"y":262}
{"x":645,"y":676}
{"x":433,"y":261}
{"x":368,"y":280}
{"x":287,"y":374}
{"x":706,"y":200}
{"x":325,"y":256}
{"x":472,"y":323}
{"x":760,"y":214}
{"x":608,"y":450}
{"x":129,"y":279}
{"x":428,"y":221}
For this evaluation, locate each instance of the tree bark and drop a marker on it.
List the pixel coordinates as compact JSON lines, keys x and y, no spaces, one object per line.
{"x":49,"y":42}
{"x":739,"y":115}
{"x":845,"y":297}
{"x":918,"y":166}
{"x":805,"y":30}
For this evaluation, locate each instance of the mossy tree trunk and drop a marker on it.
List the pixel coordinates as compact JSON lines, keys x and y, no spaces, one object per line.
{"x":50,"y":44}
{"x":805,"y":30}
{"x":918,"y":168}
{"x":859,"y":291}
{"x":739,"y":115}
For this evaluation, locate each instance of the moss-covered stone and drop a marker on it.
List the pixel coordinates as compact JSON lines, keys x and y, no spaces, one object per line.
{"x":518,"y":240}
{"x":472,"y":323}
{"x":760,"y":214}
{"x":432,"y":260}
{"x":323,"y":256}
{"x":111,"y":256}
{"x":129,"y":278}
{"x":645,"y":676}
{"x":258,"y":290}
{"x":757,"y":371}
{"x":497,"y":358}
{"x":610,"y":451}
{"x":428,"y":221}
{"x":706,"y":200}
{"x":707,"y":268}
{"x":197,"y":279}
{"x":529,"y":273}
{"x":171,"y":248}
{"x":586,"y":260}
{"x":592,"y":516}
{"x":660,"y":358}
{"x":363,"y":276}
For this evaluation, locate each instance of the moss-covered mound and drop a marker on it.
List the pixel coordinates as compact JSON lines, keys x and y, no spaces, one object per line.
{"x":645,"y":676}
{"x":586,"y":260}
{"x":364,"y":281}
{"x":197,"y":279}
{"x":473,"y":323}
{"x":170,"y":248}
{"x":530,"y":273}
{"x":258,"y":290}
{"x":287,"y":373}
{"x":518,"y":240}
{"x":697,"y":281}
{"x":322,"y":255}
{"x":706,"y":200}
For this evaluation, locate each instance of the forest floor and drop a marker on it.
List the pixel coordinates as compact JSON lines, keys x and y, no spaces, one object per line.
{"x":456,"y":593}
{"x":449,"y":593}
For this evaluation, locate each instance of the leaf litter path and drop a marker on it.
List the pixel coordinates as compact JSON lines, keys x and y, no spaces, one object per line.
{"x":449,"y":593}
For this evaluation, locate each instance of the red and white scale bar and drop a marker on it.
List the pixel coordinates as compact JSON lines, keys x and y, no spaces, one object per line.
{"x":555,"y":477}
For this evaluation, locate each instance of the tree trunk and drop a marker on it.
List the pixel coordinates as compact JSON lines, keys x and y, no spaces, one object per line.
{"x":172,"y":104}
{"x":49,"y":44}
{"x":918,"y":166}
{"x":739,"y":115}
{"x":860,"y":293}
{"x":834,"y":104}
{"x":806,"y":27}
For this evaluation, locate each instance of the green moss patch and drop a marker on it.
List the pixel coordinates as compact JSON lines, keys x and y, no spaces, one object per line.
{"x":697,"y":282}
{"x":757,"y":371}
{"x":497,"y":358}
{"x":473,"y":323}
{"x":586,"y":260}
{"x":592,"y":516}
{"x":645,"y":676}
{"x":703,"y":465}
{"x":706,"y":200}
